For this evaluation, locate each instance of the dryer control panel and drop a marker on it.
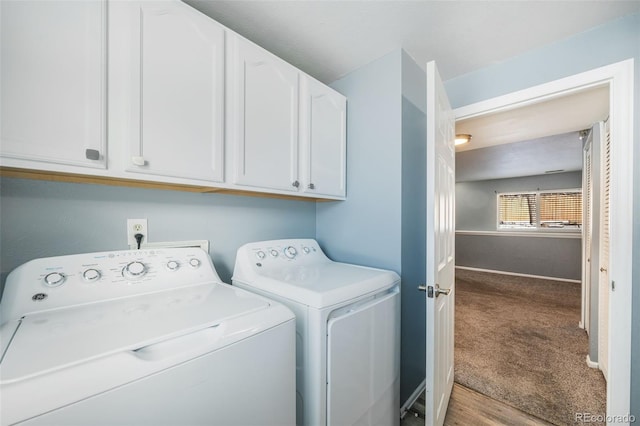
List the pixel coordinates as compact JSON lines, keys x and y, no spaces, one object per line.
{"x":63,"y":281}
{"x":282,"y":253}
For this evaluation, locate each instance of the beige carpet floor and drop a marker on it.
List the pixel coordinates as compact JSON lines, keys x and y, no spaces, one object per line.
{"x":517,"y":340}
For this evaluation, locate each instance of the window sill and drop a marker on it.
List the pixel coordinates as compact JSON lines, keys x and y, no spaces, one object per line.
{"x":535,"y":234}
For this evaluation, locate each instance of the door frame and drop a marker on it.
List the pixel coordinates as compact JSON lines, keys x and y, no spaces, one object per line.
{"x":619,"y":77}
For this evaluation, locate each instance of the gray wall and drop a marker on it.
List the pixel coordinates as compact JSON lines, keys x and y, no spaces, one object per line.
{"x":548,"y":257}
{"x":476,"y":210}
{"x":41,"y":219}
{"x":382,"y":222}
{"x":603,"y":45}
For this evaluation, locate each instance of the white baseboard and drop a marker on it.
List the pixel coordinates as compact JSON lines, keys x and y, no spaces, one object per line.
{"x":592,"y":364}
{"x":412,"y":398}
{"x":518,"y":274}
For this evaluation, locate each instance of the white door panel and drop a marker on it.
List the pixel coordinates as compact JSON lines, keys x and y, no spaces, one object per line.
{"x":179,"y":97}
{"x":266,"y":119}
{"x":440,"y":249}
{"x":324,"y":139}
{"x":362,"y":365}
{"x":53,"y":81}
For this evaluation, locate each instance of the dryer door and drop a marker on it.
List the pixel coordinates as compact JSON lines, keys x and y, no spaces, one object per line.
{"x":363,"y":363}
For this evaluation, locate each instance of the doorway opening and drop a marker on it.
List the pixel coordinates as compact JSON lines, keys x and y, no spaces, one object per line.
{"x":618,"y":79}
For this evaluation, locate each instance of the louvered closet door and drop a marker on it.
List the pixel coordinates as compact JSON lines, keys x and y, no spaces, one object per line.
{"x":603,"y":308}
{"x":587,"y":234}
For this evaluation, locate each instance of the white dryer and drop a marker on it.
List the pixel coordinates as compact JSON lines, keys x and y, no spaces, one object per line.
{"x":147,"y":337}
{"x":347,"y":327}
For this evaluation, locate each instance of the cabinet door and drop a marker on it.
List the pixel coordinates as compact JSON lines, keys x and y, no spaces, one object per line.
{"x":265,"y":121}
{"x":177,"y":93}
{"x":324,"y":139}
{"x":53,"y":71}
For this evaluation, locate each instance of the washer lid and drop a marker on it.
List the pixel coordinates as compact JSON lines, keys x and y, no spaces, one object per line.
{"x":53,"y":340}
{"x":321,"y":284}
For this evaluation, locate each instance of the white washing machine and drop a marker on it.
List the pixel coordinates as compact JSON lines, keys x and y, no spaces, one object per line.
{"x":147,"y":337}
{"x":347,"y":330}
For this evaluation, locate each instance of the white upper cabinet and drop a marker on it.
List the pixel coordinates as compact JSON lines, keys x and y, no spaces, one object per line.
{"x":53,"y":83}
{"x":189,"y":101}
{"x":324,"y":139}
{"x":177,"y":93}
{"x":263,"y":108}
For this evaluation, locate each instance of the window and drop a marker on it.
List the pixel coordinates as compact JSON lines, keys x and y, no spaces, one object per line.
{"x":544,"y":210}
{"x":518,"y":210}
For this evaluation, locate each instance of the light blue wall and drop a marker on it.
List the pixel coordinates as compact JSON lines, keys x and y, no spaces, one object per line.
{"x":41,"y":219}
{"x":414,"y":213}
{"x":365,"y":229}
{"x":603,"y":45}
{"x":382,"y":223}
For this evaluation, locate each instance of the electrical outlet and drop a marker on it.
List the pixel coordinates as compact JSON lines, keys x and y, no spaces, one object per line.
{"x":136,"y":226}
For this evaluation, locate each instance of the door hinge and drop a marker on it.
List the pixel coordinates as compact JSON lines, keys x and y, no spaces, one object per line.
{"x":430,"y":291}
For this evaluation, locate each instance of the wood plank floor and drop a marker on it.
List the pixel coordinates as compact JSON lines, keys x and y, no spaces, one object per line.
{"x":468,"y":407}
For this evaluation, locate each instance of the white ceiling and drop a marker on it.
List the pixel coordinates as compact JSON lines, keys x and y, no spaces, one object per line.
{"x":330,"y":38}
{"x":560,"y":115}
{"x":530,"y":140}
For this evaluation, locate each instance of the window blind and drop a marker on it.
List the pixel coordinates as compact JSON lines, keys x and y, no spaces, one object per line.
{"x":517,"y":210}
{"x":561,"y":209}
{"x":540,"y":210}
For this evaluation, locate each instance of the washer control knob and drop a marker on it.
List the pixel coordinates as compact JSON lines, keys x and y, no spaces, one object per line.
{"x":274,"y":252}
{"x":134,"y":270}
{"x":260,"y":254}
{"x":173,"y":265}
{"x":306,"y":250}
{"x":54,"y":279}
{"x":290,"y":252}
{"x":91,"y":275}
{"x":194,"y":263}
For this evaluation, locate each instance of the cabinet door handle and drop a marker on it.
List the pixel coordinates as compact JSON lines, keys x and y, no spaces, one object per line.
{"x":295,"y":183}
{"x":138,"y":161}
{"x":92,"y":154}
{"x":311,"y":186}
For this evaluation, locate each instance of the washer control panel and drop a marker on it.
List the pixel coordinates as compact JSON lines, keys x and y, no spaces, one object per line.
{"x":63,"y":281}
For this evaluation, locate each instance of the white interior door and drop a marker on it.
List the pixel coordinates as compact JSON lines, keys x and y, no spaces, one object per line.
{"x":440,"y":248}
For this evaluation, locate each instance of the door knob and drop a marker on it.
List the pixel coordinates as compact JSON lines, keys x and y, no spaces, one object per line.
{"x":440,"y":291}
{"x":422,"y":287}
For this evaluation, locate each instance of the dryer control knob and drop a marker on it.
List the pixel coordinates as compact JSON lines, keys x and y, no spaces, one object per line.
{"x":172,"y":265}
{"x":54,"y":279}
{"x":194,"y":263}
{"x":306,"y":250}
{"x":134,"y":270}
{"x":274,"y":252}
{"x":260,"y":254}
{"x":91,"y":275}
{"x":290,"y":252}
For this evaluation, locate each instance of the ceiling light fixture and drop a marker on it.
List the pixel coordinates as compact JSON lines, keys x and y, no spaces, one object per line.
{"x":462,"y":138}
